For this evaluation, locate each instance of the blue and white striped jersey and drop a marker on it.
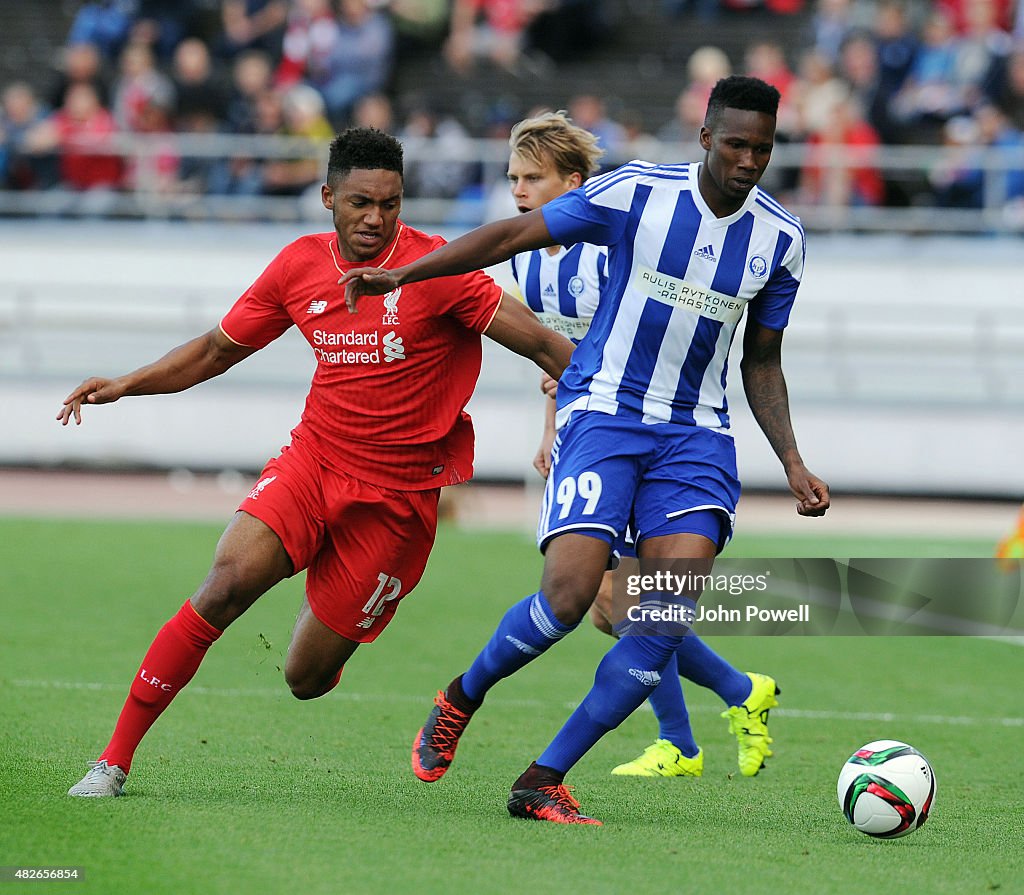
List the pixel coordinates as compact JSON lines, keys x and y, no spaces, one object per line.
{"x":563,"y":289}
{"x":679,"y":279}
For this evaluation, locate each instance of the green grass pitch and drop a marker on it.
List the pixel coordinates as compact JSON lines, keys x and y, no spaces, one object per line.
{"x":240,"y":788}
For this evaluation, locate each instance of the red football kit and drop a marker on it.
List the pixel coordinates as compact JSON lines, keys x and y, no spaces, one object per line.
{"x":354,"y":496}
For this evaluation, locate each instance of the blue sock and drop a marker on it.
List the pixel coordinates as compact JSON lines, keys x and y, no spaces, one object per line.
{"x":699,"y":663}
{"x":670,"y":710}
{"x":525,"y":631}
{"x":626,"y":676}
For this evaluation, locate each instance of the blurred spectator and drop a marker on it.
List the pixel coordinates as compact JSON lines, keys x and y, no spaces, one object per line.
{"x":814,"y":95}
{"x":200,"y":98}
{"x":20,"y":113}
{"x":364,"y":56}
{"x":682,"y":132}
{"x":252,"y":25}
{"x":833,"y":22}
{"x":156,"y":169}
{"x":241,"y":175}
{"x":840,"y":170}
{"x":765,"y":59}
{"x":104,"y":23}
{"x":705,"y":67}
{"x":163,"y":24}
{"x":960,"y":179}
{"x":960,"y":14}
{"x":79,"y":63}
{"x":934,"y":91}
{"x":490,"y":29}
{"x":1007,"y":88}
{"x":139,"y":83}
{"x":251,"y":76}
{"x":588,"y":111}
{"x":983,"y":48}
{"x":442,"y":168}
{"x":344,"y":58}
{"x":637,"y":141}
{"x":858,"y":66}
{"x":201,"y":107}
{"x":82,"y":133}
{"x":953,"y":177}
{"x":374,"y":110}
{"x":304,"y":116}
{"x":895,"y":44}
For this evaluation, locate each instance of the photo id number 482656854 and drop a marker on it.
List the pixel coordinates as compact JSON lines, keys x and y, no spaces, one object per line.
{"x":16,"y":874}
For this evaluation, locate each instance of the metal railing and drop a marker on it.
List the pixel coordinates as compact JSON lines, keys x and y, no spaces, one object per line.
{"x":483,"y":163}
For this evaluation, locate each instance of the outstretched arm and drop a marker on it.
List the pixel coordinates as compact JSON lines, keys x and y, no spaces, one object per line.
{"x":196,"y":361}
{"x":515,"y":326}
{"x":765,"y":388}
{"x":479,"y":248}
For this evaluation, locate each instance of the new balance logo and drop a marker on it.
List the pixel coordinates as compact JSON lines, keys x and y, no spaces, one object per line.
{"x":522,"y":647}
{"x":366,"y":622}
{"x":393,"y":348}
{"x":647,"y":678}
{"x":707,"y":253}
{"x":316,"y":307}
{"x":260,"y":485}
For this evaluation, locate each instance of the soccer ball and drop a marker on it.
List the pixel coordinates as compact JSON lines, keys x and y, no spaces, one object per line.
{"x":886,"y":789}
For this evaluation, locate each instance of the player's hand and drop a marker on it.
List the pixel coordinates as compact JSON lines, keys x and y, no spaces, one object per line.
{"x":542,"y":461}
{"x":366,"y":281}
{"x":93,"y":391}
{"x":549,"y":386}
{"x":811,"y":493}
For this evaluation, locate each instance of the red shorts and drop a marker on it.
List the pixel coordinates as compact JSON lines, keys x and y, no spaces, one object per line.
{"x":365,"y":546}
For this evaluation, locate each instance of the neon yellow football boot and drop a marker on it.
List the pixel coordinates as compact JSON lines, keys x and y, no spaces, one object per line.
{"x":1010,"y":550}
{"x":749,"y":723}
{"x":662,"y":759}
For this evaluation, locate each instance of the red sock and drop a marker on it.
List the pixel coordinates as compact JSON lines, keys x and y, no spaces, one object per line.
{"x":172,"y":660}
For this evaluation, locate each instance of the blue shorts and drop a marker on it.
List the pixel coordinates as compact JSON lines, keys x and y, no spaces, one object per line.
{"x":609,"y":472}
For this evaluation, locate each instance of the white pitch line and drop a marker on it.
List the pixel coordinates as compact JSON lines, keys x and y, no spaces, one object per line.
{"x":352,"y":696}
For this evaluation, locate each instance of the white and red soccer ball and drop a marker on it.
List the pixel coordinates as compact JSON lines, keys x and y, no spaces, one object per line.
{"x":886,"y":789}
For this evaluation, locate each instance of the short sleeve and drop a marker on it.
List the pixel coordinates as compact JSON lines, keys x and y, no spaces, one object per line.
{"x":772,"y":305}
{"x":473,"y":298}
{"x":259,"y":316}
{"x":573,"y":217}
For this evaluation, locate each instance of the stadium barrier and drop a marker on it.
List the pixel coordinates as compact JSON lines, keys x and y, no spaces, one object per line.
{"x":912,"y":175}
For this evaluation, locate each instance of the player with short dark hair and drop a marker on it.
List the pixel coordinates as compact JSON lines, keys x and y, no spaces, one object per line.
{"x":353,"y":497}
{"x":645,"y":423}
{"x":550,"y":155}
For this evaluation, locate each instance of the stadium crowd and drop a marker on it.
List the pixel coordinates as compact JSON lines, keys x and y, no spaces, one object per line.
{"x":866,"y":75}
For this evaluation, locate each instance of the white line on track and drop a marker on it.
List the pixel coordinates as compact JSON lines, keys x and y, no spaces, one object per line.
{"x":352,"y":696}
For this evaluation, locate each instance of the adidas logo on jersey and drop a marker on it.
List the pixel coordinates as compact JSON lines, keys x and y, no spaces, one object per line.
{"x":707,"y":253}
{"x":647,"y":678}
{"x":549,"y":291}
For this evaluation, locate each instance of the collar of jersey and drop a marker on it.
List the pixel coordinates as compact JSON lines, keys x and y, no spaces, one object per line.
{"x":380,"y":260}
{"x":709,"y":216}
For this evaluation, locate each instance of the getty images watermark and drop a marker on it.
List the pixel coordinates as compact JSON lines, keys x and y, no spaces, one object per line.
{"x":818,"y":597}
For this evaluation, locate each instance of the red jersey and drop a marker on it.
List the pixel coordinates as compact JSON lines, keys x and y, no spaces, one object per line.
{"x":392,"y":380}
